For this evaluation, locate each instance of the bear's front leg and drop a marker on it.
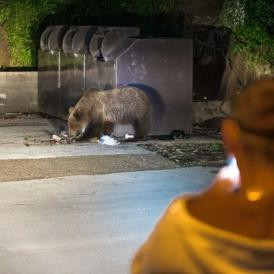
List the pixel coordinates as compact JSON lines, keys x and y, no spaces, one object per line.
{"x":108,"y":128}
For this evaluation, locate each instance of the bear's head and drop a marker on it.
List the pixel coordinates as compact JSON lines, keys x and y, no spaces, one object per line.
{"x":77,"y":122}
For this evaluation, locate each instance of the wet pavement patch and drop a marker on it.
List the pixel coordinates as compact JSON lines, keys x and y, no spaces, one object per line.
{"x":26,"y":169}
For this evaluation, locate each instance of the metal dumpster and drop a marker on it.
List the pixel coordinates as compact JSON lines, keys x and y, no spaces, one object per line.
{"x":108,"y":57}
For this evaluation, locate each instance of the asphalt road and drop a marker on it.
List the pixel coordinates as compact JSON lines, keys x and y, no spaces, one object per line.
{"x":85,"y":224}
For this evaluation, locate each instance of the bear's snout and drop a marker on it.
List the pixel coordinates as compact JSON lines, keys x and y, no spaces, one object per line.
{"x":76,"y":133}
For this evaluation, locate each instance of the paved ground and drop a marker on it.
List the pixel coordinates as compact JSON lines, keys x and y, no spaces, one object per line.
{"x":28,"y":153}
{"x":85,"y":224}
{"x":89,"y":223}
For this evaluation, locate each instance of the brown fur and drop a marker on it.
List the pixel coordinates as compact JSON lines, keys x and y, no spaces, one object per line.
{"x":104,"y":109}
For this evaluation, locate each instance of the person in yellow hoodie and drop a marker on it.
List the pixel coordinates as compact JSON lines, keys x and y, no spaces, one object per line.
{"x":229,"y":227}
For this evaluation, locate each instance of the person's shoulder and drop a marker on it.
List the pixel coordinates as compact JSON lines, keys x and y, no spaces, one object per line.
{"x":215,"y":196}
{"x":176,"y":206}
{"x":162,"y":252}
{"x":219,"y":189}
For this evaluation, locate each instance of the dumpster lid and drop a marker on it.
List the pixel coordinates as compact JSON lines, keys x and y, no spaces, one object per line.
{"x":67,"y":40}
{"x":56,"y":37}
{"x":44,"y":38}
{"x":81,"y":39}
{"x":96,"y":42}
{"x":116,"y":40}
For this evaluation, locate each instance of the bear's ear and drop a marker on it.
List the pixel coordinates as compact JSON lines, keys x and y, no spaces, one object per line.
{"x":78,"y":114}
{"x":71,"y":110}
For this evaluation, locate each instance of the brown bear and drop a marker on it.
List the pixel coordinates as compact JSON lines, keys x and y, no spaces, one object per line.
{"x":104,"y":109}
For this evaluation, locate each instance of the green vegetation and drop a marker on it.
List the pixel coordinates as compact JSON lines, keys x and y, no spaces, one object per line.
{"x":21,"y":20}
{"x":252,"y":24}
{"x":24,"y":20}
{"x":215,"y":147}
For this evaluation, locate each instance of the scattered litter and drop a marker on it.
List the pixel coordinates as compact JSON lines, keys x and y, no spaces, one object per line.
{"x":93,"y":140}
{"x":64,"y":134}
{"x":129,"y":136}
{"x":56,"y":138}
{"x":62,"y":138}
{"x":107,"y":140}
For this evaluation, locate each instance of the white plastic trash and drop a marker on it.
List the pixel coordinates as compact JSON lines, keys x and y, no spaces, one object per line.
{"x":129,"y":136}
{"x":56,"y":138}
{"x":107,"y":140}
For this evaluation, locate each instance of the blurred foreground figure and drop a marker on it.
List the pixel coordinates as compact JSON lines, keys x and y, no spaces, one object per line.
{"x":229,"y":228}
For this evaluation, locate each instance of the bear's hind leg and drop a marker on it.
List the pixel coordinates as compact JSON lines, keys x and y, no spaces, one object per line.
{"x":141,"y":128}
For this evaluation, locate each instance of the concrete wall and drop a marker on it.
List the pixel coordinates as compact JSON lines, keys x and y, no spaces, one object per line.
{"x":18,"y":92}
